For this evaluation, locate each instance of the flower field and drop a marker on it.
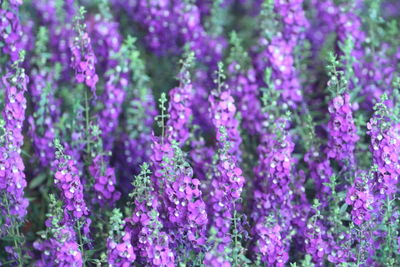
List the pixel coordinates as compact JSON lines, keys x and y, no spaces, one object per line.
{"x":199,"y":133}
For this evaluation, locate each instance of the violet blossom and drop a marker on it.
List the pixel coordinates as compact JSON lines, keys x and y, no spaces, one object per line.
{"x":12,"y":176}
{"x":152,"y":245}
{"x":83,"y":59}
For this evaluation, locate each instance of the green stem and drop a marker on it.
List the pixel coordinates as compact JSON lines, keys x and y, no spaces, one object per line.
{"x":87,"y":120}
{"x":14,"y":232}
{"x":79,"y":226}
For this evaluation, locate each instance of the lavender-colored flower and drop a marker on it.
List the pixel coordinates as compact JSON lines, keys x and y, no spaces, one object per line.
{"x":269,"y":244}
{"x":201,"y":157}
{"x":112,"y":99}
{"x":11,"y":31}
{"x":60,"y":246}
{"x":293,"y":19}
{"x":218,"y":255}
{"x":104,"y":181}
{"x":214,"y":260}
{"x":315,"y":242}
{"x":106,"y":39}
{"x":179,"y":109}
{"x":226,"y":187}
{"x":83,"y":59}
{"x":58,"y":17}
{"x":360,"y":197}
{"x":242,"y":81}
{"x":272,"y":192}
{"x":385,"y":147}
{"x":67,"y":180}
{"x":62,"y":249}
{"x":342,"y":130}
{"x":184,"y":207}
{"x":273,"y":174}
{"x":119,"y":248}
{"x":12,"y":177}
{"x":151,"y":243}
{"x":340,"y":251}
{"x":222,"y":112}
{"x":277,"y":51}
{"x":140,"y":111}
{"x":322,"y":24}
{"x":320,"y":172}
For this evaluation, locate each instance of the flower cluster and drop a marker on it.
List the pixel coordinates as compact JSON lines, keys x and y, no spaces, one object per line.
{"x":11,"y":30}
{"x":226,"y":187}
{"x":67,"y":180}
{"x":12,"y":176}
{"x":229,"y":137}
{"x":385,"y":147}
{"x":83,"y":59}
{"x":269,"y":244}
{"x":278,"y":52}
{"x":242,"y":81}
{"x":223,"y":110}
{"x":107,"y":39}
{"x":60,"y":245}
{"x":184,"y":206}
{"x":342,"y":130}
{"x":293,"y":18}
{"x":104,"y":181}
{"x":119,"y":248}
{"x":274,"y":171}
{"x":360,"y":198}
{"x":139,"y":118}
{"x":315,"y":243}
{"x":62,"y":249}
{"x":151,"y":243}
{"x":179,"y":109}
{"x":320,"y":171}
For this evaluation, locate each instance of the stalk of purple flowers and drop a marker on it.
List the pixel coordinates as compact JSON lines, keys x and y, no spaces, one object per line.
{"x":120,"y":251}
{"x":83,"y":59}
{"x":342,"y":130}
{"x":385,"y":147}
{"x":179,"y":110}
{"x":60,"y":245}
{"x":151,"y":244}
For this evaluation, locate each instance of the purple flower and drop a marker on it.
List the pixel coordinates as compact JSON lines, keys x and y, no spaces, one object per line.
{"x":45,"y":114}
{"x":183,"y":206}
{"x":67,"y":180}
{"x":152,"y":245}
{"x":180,"y":113}
{"x":342,"y":130}
{"x":361,"y":199}
{"x":119,"y":248}
{"x":12,"y":176}
{"x":244,"y":87}
{"x":104,"y":181}
{"x":222,"y":111}
{"x":62,"y":249}
{"x":385,"y":147}
{"x":11,"y":31}
{"x":269,"y":244}
{"x":226,"y":188}
{"x":83,"y":59}
{"x":315,"y":242}
{"x":320,"y":172}
{"x":293,"y":19}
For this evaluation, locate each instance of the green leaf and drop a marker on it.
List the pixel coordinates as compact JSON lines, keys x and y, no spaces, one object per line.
{"x":38,"y":180}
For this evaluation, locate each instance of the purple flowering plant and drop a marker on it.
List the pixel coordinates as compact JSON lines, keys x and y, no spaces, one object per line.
{"x":199,"y":133}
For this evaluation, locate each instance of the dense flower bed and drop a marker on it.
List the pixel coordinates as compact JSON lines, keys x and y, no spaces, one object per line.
{"x":199,"y":133}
